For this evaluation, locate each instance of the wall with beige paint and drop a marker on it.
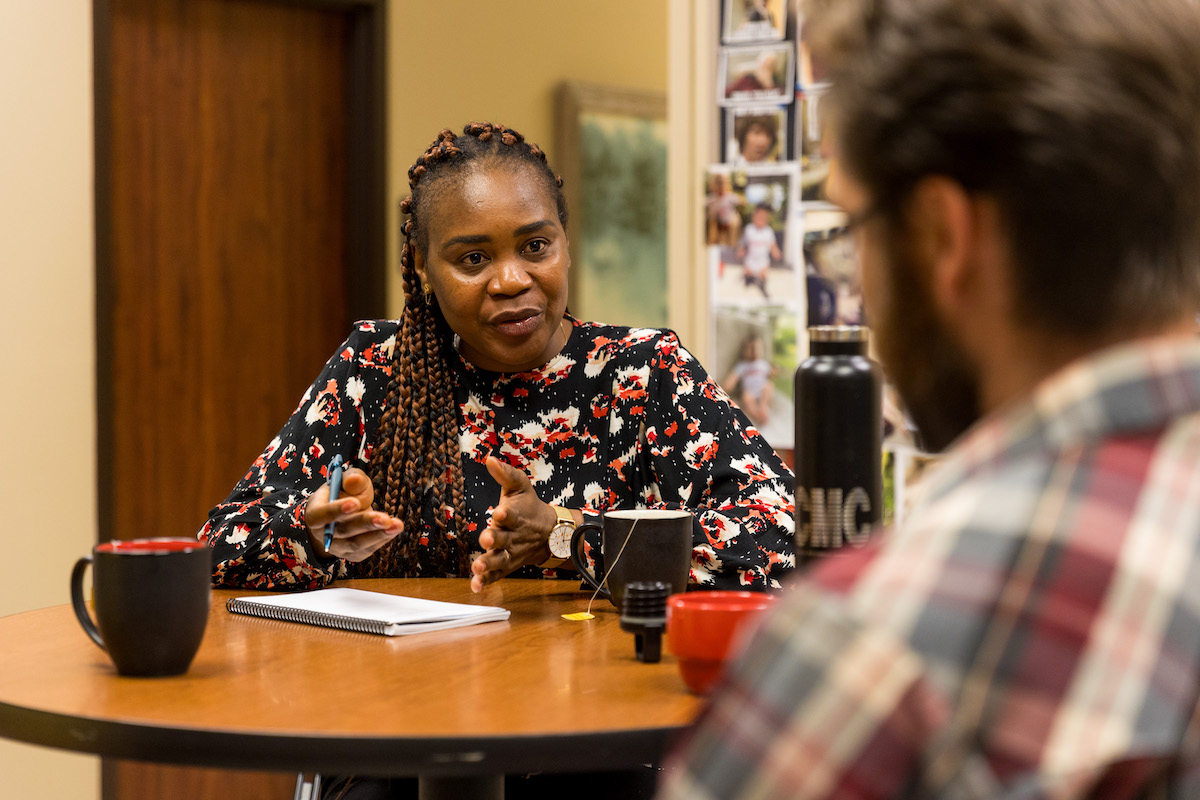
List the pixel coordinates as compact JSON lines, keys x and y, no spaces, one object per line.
{"x":46,"y":326}
{"x":501,"y":62}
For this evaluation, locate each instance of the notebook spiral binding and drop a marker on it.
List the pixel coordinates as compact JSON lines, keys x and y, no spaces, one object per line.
{"x":307,"y":617}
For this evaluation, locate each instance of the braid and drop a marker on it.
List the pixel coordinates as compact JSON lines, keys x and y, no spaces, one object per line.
{"x":416,"y":467}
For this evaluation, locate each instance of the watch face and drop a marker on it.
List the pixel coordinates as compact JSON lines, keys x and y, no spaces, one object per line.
{"x":560,"y":540}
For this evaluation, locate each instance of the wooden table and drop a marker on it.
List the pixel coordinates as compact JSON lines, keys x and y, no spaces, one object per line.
{"x":534,"y":693}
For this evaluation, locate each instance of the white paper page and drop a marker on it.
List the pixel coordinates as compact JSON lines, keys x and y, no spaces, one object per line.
{"x":387,"y":608}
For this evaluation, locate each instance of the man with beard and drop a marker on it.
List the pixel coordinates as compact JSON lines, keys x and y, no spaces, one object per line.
{"x":1024,"y":180}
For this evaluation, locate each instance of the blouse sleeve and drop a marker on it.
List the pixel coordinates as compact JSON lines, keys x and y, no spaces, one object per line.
{"x":258,"y":534}
{"x":704,"y":456}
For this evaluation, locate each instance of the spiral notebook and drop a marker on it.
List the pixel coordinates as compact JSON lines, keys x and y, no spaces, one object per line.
{"x":365,"y":611}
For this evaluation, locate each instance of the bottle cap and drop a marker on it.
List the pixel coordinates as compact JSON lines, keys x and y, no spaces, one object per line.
{"x":838,"y":333}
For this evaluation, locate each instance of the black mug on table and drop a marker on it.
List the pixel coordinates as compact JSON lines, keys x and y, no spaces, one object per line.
{"x":637,"y":545}
{"x":151,"y":598}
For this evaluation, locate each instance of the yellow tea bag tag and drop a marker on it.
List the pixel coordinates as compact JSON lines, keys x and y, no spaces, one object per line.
{"x":577,"y":616}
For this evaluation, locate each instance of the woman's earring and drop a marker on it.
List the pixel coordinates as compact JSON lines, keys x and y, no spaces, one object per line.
{"x":428,"y":293}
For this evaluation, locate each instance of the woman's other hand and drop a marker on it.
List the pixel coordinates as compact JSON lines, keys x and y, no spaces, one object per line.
{"x":359,"y":531}
{"x":519,"y":530}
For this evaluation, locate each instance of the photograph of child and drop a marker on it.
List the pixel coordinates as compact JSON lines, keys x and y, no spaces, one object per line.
{"x":754,"y":21}
{"x":757,"y":248}
{"x":755,"y":135}
{"x":756,"y":357}
{"x":749,"y":382}
{"x":756,"y":266}
{"x":757,"y":75}
{"x":722,"y":209}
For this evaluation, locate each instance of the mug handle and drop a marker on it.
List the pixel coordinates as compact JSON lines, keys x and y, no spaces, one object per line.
{"x":597,"y":580}
{"x":81,"y":612}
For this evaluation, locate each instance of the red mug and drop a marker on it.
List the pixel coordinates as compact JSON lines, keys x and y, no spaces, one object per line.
{"x":703,"y":629}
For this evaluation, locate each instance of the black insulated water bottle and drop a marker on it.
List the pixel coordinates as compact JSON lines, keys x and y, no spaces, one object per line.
{"x":839,"y":430}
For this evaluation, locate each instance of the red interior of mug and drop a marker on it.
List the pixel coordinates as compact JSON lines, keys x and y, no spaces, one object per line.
{"x":149,"y":546}
{"x":702,"y":628}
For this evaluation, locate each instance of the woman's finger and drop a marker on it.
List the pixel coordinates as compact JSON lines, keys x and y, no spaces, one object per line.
{"x":348,"y":528}
{"x":494,"y":561}
{"x":489,"y":567}
{"x":364,"y":522}
{"x":357,"y":548}
{"x":356,"y":483}
{"x":511,"y":479}
{"x":321,"y":512}
{"x":494,"y":538}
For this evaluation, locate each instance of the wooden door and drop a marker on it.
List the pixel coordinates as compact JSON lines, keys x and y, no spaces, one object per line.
{"x":240,"y":230}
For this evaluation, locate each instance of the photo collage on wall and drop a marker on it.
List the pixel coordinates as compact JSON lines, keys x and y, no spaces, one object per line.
{"x":778,"y":259}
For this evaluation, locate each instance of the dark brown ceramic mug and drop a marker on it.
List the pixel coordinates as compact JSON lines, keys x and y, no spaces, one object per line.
{"x":151,"y":598}
{"x":637,"y":545}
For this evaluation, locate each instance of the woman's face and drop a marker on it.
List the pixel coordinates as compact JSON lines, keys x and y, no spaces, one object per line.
{"x":497,"y":263}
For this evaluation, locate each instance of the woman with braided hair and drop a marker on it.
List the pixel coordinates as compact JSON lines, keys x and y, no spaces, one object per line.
{"x":487,"y":416}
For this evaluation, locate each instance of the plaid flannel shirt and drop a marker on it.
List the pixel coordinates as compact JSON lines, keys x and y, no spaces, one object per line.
{"x":1032,"y":631}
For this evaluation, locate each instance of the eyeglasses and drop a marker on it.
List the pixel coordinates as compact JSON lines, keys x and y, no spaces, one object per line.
{"x":856,"y":221}
{"x":853,"y":222}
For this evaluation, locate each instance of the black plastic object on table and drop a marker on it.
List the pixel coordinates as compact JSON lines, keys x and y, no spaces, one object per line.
{"x":644,"y":614}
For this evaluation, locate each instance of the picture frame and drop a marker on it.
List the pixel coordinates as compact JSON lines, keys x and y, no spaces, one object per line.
{"x":810,"y":73}
{"x":611,"y":150}
{"x":757,"y":74}
{"x":746,"y":266}
{"x":832,"y":275}
{"x":814,"y":166}
{"x":765,"y":394}
{"x":754,"y":21}
{"x":756,"y":134}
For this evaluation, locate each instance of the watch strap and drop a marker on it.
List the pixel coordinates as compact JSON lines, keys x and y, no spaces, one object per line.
{"x":565,"y":517}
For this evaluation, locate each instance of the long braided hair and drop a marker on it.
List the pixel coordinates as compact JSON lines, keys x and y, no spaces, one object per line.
{"x":415,"y":467}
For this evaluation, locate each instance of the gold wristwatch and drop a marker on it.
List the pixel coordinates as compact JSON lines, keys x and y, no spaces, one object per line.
{"x":560,"y":538}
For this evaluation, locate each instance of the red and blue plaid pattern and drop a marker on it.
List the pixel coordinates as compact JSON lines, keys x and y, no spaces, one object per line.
{"x":1032,"y":632}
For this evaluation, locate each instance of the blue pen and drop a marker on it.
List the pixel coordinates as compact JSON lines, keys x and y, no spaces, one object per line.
{"x":335,"y":487}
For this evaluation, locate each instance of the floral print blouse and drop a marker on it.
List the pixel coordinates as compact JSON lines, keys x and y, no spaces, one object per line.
{"x":621,"y":418}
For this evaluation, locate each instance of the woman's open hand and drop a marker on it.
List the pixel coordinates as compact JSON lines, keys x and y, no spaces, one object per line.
{"x":519,"y":530}
{"x":359,"y":531}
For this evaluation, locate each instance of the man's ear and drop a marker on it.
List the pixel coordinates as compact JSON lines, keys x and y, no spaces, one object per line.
{"x":961,"y":242}
{"x":964,"y":245}
{"x":942,"y":225}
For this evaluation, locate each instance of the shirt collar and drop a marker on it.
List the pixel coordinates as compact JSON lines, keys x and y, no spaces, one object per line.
{"x":474,"y":374}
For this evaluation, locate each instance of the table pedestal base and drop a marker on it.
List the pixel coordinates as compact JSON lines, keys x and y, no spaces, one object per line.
{"x":476,"y":787}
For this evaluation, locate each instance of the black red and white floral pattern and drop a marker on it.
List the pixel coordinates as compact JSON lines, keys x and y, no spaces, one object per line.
{"x":621,"y":418}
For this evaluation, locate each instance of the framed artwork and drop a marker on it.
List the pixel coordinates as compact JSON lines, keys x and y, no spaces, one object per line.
{"x":757,"y":75}
{"x":611,"y":151}
{"x":754,"y":21}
